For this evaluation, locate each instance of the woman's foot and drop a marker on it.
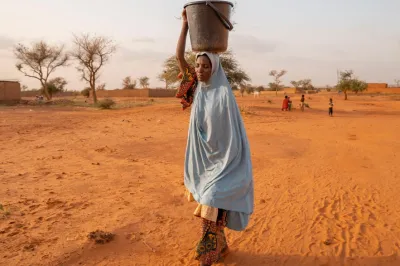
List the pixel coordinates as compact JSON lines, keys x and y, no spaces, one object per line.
{"x":225,"y":252}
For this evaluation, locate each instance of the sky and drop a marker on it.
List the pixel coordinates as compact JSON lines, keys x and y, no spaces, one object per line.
{"x":308,"y":38}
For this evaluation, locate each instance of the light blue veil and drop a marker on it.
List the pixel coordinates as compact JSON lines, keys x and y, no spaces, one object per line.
{"x":218,"y":168}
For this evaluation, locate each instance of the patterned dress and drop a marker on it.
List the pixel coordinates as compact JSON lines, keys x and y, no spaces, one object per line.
{"x":188,"y":87}
{"x":212,"y":245}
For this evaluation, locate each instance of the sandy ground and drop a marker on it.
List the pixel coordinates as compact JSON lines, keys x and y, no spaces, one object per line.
{"x":326,"y":189}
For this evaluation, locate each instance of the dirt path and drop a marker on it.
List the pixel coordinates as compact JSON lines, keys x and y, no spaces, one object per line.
{"x":326,"y":188}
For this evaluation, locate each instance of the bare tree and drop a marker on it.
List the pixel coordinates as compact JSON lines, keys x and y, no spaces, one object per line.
{"x":277,"y":84}
{"x":24,"y":88}
{"x":39,"y":61}
{"x":144,"y":82}
{"x":101,"y":87}
{"x":397,"y":82}
{"x":127,"y":83}
{"x":92,"y":53}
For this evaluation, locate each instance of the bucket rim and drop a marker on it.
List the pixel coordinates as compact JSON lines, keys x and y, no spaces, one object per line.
{"x":203,"y":2}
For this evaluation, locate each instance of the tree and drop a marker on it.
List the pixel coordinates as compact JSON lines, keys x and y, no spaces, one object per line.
{"x":249,"y":89}
{"x":260,"y":88}
{"x":144,"y":82}
{"x":277,"y":84}
{"x":234,"y":73}
{"x":162,"y":77}
{"x":242,"y":89}
{"x":127,"y":83}
{"x":55,"y":85}
{"x":303,"y":84}
{"x":397,"y":82}
{"x":349,"y":83}
{"x":24,"y":88}
{"x":39,"y":61}
{"x":101,"y":87}
{"x":92,"y":53}
{"x":86,"y":92}
{"x":358,"y":86}
{"x":328,"y":88}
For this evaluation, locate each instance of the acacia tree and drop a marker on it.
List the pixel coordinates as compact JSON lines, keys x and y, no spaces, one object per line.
{"x":348,"y":82}
{"x":39,"y":61}
{"x":144,"y":82}
{"x":277,"y":84}
{"x":127,"y":83}
{"x":92,"y":53}
{"x":56,"y":85}
{"x":234,"y":73}
{"x":303,"y":84}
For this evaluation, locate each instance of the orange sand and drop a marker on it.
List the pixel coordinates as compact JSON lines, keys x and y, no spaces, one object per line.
{"x":326,"y":189}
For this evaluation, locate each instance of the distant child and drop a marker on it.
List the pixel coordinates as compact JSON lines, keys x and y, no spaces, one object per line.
{"x":289,"y":104}
{"x":330,"y":107}
{"x":302,"y":102}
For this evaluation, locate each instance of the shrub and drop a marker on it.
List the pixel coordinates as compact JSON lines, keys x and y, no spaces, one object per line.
{"x":86,"y":92}
{"x":106,"y":103}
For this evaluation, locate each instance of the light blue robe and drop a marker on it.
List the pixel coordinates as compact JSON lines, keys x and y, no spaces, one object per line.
{"x":218,"y":168}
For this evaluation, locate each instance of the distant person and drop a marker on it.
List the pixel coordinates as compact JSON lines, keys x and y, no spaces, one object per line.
{"x":285,"y":104}
{"x":218,"y":169}
{"x":302,"y":103}
{"x":289,"y":104}
{"x":330,"y":107}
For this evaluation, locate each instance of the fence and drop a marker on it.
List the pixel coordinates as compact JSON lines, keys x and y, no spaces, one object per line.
{"x":153,"y":93}
{"x":29,"y":94}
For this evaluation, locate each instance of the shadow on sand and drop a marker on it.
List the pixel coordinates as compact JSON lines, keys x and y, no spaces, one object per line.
{"x":244,"y":259}
{"x":122,"y":248}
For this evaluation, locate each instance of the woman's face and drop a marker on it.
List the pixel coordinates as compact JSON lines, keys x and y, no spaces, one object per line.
{"x":203,"y":68}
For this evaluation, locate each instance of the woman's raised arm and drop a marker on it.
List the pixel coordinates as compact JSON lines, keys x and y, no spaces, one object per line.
{"x":180,"y":48}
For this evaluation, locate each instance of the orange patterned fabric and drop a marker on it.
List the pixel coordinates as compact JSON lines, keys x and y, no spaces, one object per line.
{"x":212,"y":246}
{"x":188,"y":87}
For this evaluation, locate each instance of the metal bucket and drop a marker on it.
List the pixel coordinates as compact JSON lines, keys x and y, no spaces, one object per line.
{"x":209,"y":25}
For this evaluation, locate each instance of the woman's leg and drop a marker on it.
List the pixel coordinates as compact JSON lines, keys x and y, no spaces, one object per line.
{"x":212,"y":245}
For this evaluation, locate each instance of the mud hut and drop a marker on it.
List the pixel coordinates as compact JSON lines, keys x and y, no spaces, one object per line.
{"x":10,"y":91}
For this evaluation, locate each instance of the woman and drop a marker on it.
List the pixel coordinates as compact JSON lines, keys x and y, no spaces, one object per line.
{"x":218,"y":170}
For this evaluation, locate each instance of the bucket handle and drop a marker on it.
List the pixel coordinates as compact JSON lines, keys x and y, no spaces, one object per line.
{"x":221,"y":16}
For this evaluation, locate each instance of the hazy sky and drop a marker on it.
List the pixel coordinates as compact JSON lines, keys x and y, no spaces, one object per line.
{"x":309,"y":38}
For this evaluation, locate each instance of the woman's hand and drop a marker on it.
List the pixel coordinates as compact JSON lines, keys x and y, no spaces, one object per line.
{"x":184,"y":16}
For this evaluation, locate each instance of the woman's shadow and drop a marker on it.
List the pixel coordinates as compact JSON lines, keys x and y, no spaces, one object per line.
{"x":243,"y":259}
